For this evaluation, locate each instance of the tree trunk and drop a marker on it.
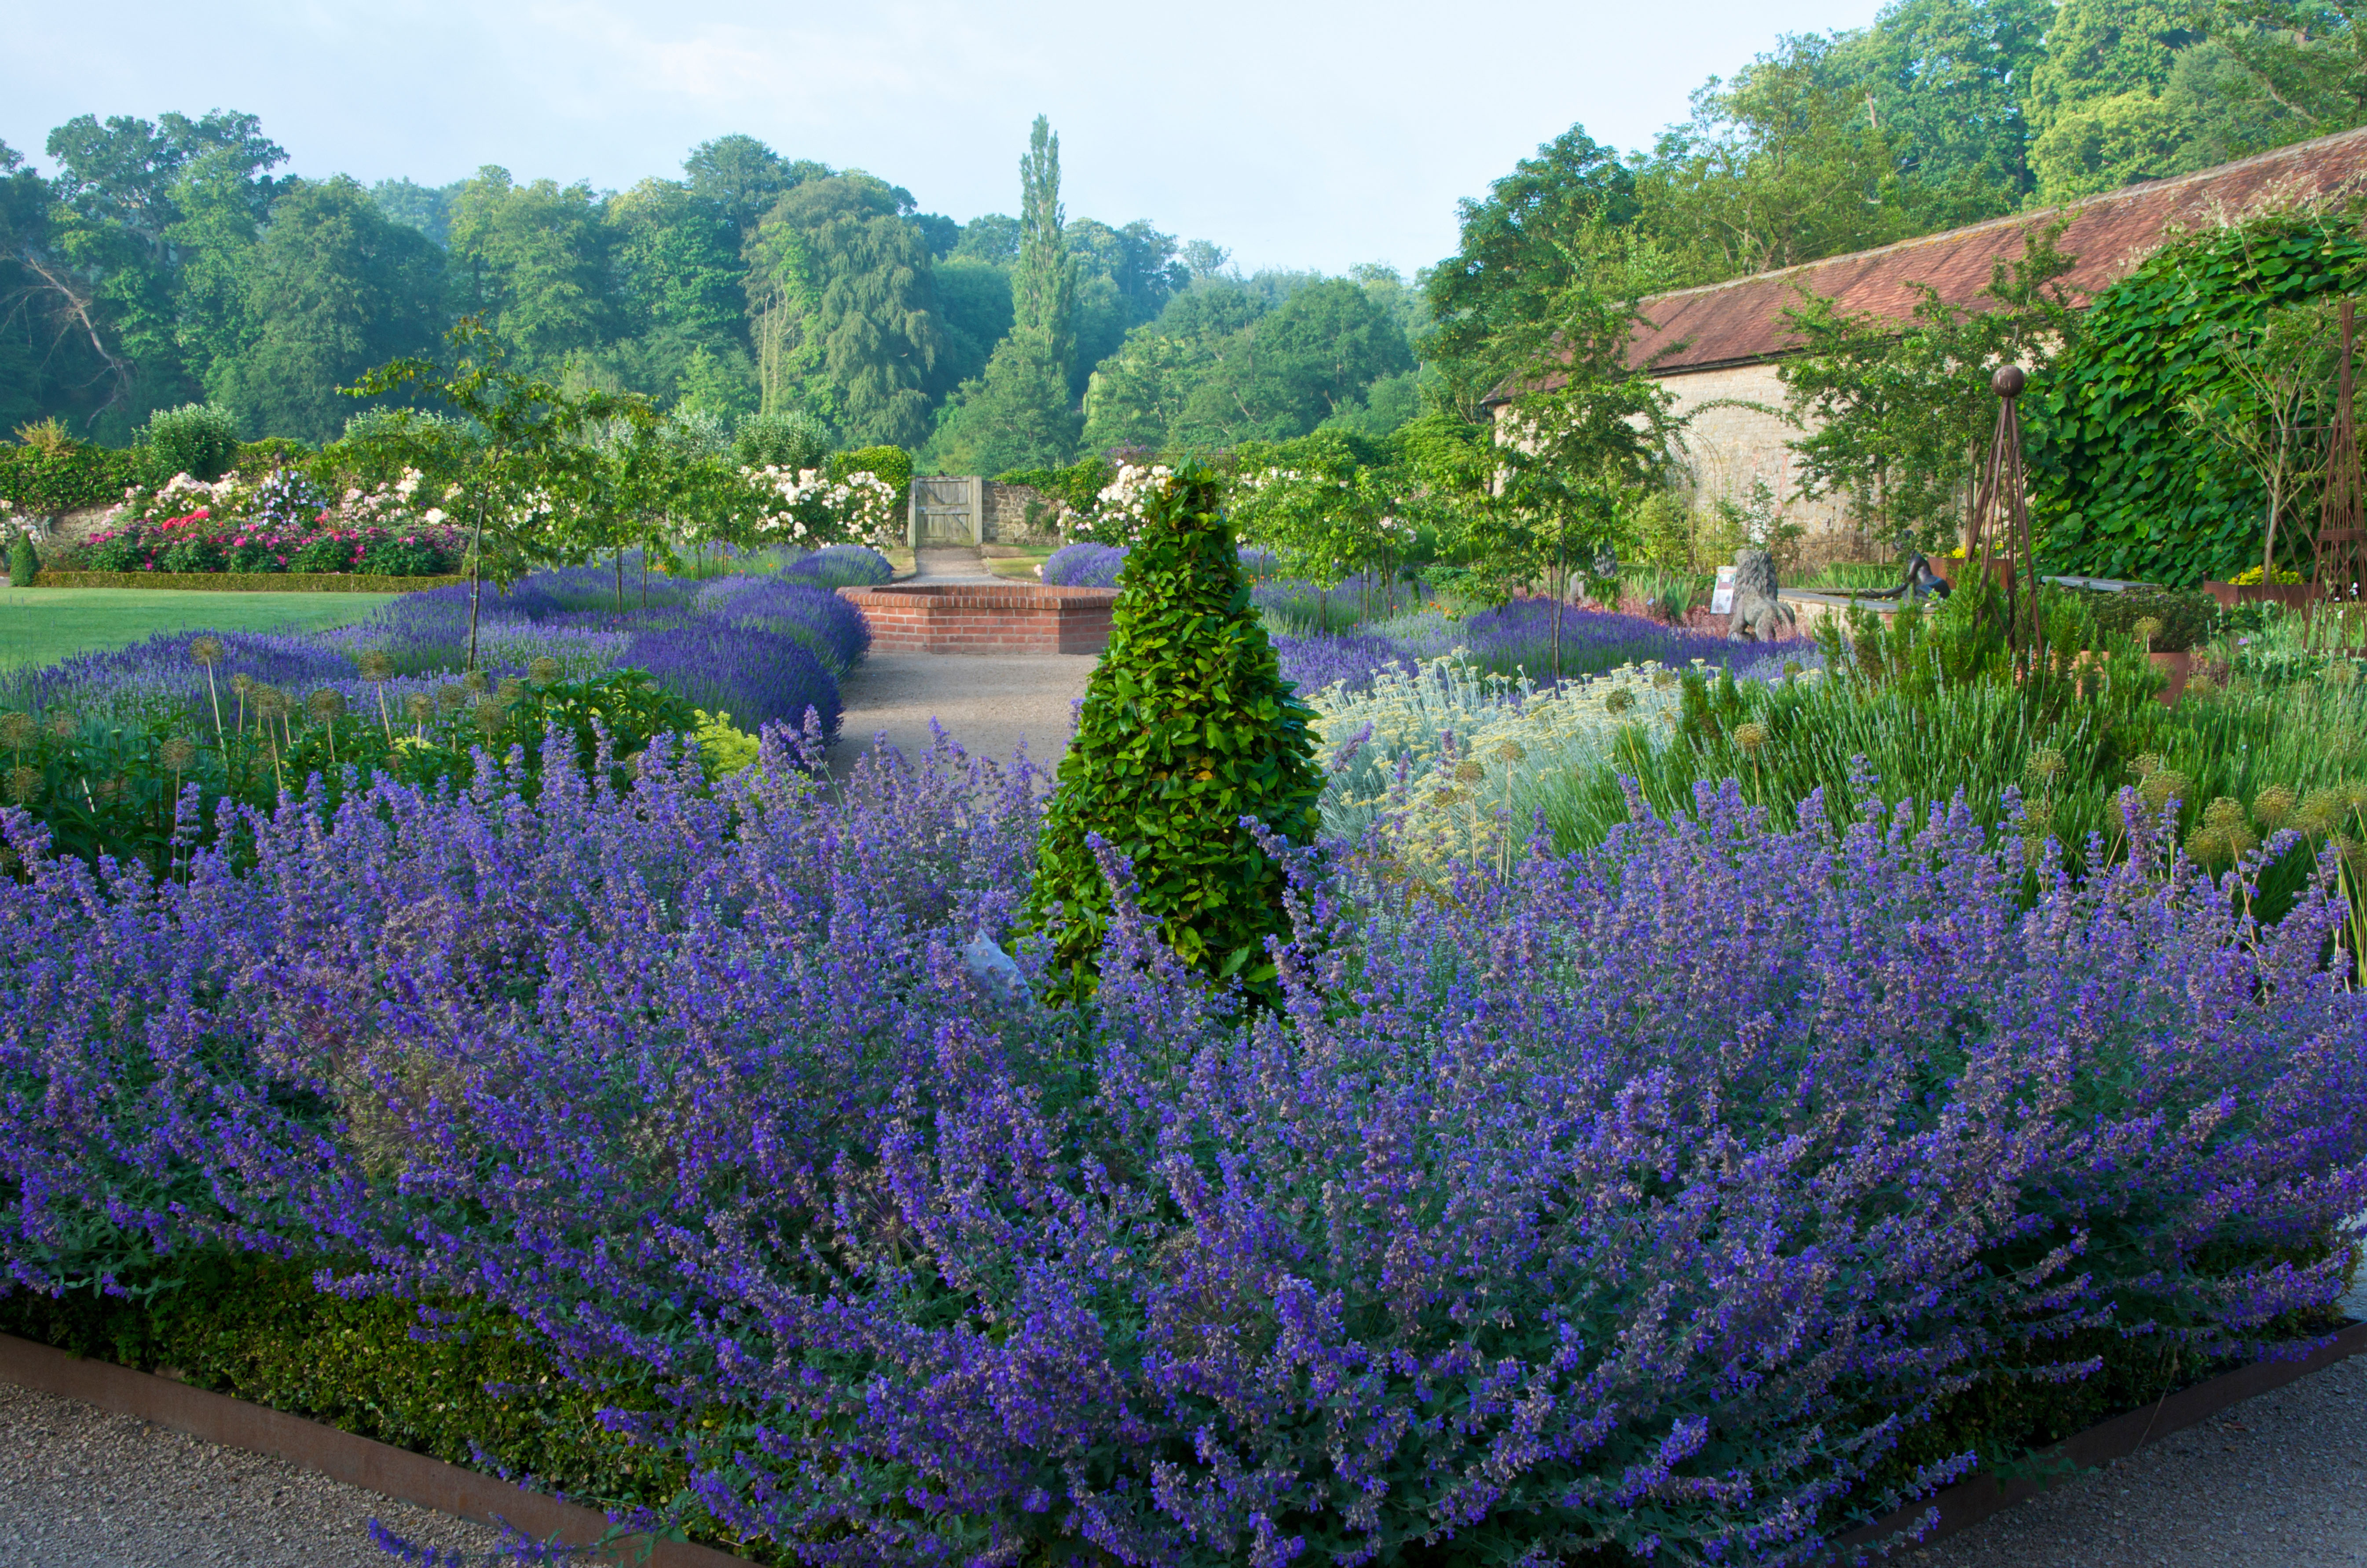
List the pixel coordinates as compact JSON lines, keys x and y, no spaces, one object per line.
{"x":476,"y":582}
{"x":1562,"y":586}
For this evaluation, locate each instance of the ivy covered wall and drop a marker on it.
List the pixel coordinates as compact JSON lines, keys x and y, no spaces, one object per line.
{"x":2121,"y":484}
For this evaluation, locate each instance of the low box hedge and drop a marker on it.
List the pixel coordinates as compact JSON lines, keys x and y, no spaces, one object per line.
{"x":463,"y":1382}
{"x":247,"y":581}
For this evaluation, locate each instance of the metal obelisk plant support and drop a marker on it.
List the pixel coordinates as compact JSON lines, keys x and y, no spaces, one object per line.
{"x":2002,"y":504}
{"x":2341,"y":533}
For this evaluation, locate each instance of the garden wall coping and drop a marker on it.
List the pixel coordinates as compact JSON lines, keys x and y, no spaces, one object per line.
{"x":1969,"y":1502}
{"x":342,"y":1456}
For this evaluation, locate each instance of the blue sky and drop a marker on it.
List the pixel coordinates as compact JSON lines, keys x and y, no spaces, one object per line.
{"x":1299,"y":135}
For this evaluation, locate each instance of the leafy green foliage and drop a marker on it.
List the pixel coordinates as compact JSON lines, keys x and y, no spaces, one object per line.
{"x":197,"y":439}
{"x":891,"y":463}
{"x":1896,"y":420}
{"x":105,"y":787}
{"x":24,"y":561}
{"x":61,"y":479}
{"x":1187,"y":730}
{"x":2120,"y":486}
{"x":2187,"y":620}
{"x":461,"y":1383}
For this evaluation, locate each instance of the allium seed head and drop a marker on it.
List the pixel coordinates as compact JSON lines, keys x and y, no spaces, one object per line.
{"x":177,"y":755}
{"x":2271,"y":806}
{"x":207,"y":651}
{"x":375,"y":666}
{"x":326,"y":706}
{"x":1751,"y":737}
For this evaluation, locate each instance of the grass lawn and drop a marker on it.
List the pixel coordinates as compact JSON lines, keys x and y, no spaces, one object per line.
{"x":41,"y":625}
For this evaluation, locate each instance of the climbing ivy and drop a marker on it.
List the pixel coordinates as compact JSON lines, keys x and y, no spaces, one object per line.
{"x":2119,"y":485}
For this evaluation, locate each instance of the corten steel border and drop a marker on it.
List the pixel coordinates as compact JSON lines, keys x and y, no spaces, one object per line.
{"x":982,"y":617}
{"x":1969,"y":1502}
{"x":341,"y":1455}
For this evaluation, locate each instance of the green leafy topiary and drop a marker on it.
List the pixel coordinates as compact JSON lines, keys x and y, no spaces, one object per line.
{"x":24,"y":561}
{"x":1187,"y":729}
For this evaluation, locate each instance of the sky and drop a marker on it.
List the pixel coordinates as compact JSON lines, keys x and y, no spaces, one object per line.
{"x":1295,"y":135}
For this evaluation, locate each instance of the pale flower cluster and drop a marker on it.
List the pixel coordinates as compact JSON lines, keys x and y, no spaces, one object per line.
{"x":1127,"y":499}
{"x":860,"y":507}
{"x":1453,"y":760}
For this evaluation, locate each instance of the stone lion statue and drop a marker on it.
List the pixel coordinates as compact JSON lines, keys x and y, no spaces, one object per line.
{"x":1758,"y":612}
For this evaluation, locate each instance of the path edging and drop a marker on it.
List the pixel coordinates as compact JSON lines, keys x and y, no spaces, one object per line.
{"x":431,"y":1483}
{"x":1969,"y":1502}
{"x":341,"y":1455}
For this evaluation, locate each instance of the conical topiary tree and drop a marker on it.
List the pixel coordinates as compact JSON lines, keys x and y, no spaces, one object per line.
{"x":1187,"y":729}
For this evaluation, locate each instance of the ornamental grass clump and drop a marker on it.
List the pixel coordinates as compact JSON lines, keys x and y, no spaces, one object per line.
{"x":1674,"y":1199}
{"x":1190,"y":750}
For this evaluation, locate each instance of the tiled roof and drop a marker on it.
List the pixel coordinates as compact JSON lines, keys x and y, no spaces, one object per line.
{"x":1741,"y":322}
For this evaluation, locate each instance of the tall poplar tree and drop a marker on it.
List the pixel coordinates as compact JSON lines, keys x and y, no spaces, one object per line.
{"x":1044,"y":285}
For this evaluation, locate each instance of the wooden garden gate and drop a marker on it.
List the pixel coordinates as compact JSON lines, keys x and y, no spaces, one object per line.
{"x":947,"y":513}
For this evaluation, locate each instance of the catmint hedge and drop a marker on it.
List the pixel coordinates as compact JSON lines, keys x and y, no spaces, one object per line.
{"x":1652,"y":1201}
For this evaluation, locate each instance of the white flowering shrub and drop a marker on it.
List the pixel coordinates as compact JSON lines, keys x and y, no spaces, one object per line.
{"x":812,"y":509}
{"x":1119,"y":507}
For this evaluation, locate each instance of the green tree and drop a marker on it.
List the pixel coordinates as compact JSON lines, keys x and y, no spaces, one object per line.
{"x":1899,"y":420}
{"x":742,"y":178}
{"x":534,"y":490}
{"x":1585,"y":431}
{"x":1015,"y":416}
{"x":1187,"y":732}
{"x":1945,"y":81}
{"x":1044,"y":281}
{"x":870,"y":336}
{"x":331,"y":289}
{"x":532,"y":262}
{"x":1311,"y":357}
{"x":1778,"y":168}
{"x":2096,"y":113}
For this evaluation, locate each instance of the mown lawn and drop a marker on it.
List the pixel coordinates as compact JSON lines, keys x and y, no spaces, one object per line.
{"x":41,"y":625}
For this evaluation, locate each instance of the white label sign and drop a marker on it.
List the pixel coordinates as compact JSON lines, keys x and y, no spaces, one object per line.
{"x":1721,"y":598}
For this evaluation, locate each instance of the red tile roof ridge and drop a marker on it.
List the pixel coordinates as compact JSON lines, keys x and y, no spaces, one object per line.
{"x":1740,"y":321}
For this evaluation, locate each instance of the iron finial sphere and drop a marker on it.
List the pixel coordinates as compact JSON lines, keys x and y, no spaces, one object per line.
{"x":2008,"y":381}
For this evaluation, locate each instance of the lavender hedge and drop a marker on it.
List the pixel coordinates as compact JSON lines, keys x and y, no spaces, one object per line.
{"x":1084,"y":566}
{"x":1644,"y":1201}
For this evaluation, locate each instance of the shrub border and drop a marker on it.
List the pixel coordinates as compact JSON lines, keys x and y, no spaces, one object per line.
{"x":248,"y":581}
{"x":339,"y":1455}
{"x":1970,"y":1501}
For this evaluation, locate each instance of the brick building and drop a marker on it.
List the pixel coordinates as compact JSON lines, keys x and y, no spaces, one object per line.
{"x":1717,"y":347}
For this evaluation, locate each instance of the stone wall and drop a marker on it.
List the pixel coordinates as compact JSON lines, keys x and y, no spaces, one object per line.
{"x":1738,"y":436}
{"x":1019,"y":515}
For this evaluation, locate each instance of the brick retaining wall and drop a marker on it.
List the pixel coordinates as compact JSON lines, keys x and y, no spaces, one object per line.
{"x":984,"y":619}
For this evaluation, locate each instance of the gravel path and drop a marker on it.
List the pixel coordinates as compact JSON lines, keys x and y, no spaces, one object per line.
{"x":988,"y":703}
{"x":83,"y":1488}
{"x":2276,"y":1482}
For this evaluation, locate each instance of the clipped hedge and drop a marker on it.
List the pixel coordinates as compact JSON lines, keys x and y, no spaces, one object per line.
{"x":472,"y":1390}
{"x":2188,"y":618}
{"x":71,"y":477}
{"x":2121,"y":485}
{"x":248,"y":581}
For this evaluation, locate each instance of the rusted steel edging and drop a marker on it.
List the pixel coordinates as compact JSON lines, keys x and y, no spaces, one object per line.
{"x":341,"y":1455}
{"x":1969,"y":1502}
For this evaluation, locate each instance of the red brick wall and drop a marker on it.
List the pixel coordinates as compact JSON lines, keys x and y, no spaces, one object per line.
{"x":983,"y":619}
